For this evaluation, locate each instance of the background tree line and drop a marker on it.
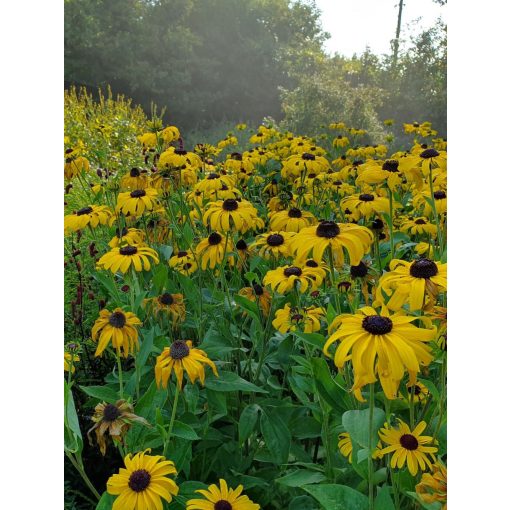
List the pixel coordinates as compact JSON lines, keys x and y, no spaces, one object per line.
{"x":215,"y":61}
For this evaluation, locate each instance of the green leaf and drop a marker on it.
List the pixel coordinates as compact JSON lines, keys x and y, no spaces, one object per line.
{"x":101,"y":392}
{"x":301,"y":477}
{"x":276,"y":436}
{"x":248,"y":421}
{"x":314,"y":339}
{"x":331,"y":392}
{"x":303,"y":503}
{"x":356,"y":423}
{"x":229,"y":381}
{"x":185,"y":431}
{"x":73,"y":441}
{"x":337,"y":497}
{"x":160,"y":277}
{"x":145,"y":348}
{"x":106,"y":501}
{"x":383,"y":500}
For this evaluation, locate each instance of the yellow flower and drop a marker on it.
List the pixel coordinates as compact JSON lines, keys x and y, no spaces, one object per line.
{"x":417,"y":283}
{"x":283,"y":279}
{"x":340,"y":141}
{"x":92,"y":215}
{"x":169,"y":304}
{"x":356,"y":240}
{"x":119,"y":327}
{"x":432,"y":487}
{"x":70,"y":361}
{"x":258,"y":294}
{"x":131,"y":236}
{"x":418,"y":226}
{"x":184,"y":262}
{"x":408,"y":447}
{"x":380,"y":344}
{"x":75,"y":166}
{"x":345,"y":447}
{"x":136,"y":202}
{"x":182,"y":357}
{"x":213,"y":250}
{"x":292,"y":220}
{"x":148,"y":140}
{"x":273,"y":244}
{"x":143,"y":483}
{"x":305,"y":319}
{"x":231,"y":214}
{"x":367,"y":204}
{"x":135,"y":179}
{"x":222,"y":498}
{"x":170,"y":134}
{"x":122,"y":258}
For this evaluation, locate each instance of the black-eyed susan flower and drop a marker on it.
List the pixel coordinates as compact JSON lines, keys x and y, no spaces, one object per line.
{"x":113,"y":421}
{"x":184,"y":262}
{"x":171,"y":305}
{"x":300,"y":165}
{"x":143,"y":483}
{"x":340,"y":141}
{"x":222,"y":498}
{"x":417,"y":226}
{"x":273,"y":245}
{"x":136,"y":202}
{"x":408,"y":447}
{"x":170,"y":134}
{"x":284,"y":279}
{"x":131,"y":236}
{"x":135,"y":179}
{"x":291,"y":220}
{"x":440,"y":202}
{"x":214,"y":182}
{"x":75,"y":165}
{"x":373,"y":172}
{"x":380,"y":344}
{"x":356,"y":240}
{"x":258,"y":294}
{"x":148,"y":140}
{"x":418,"y":392}
{"x":120,"y":328}
{"x":92,"y":215}
{"x":213,"y":250}
{"x":367,"y":204}
{"x":291,"y":318}
{"x":416,"y":283}
{"x":124,"y":257}
{"x":182,"y":357}
{"x":432,"y":486}
{"x":231,"y":214}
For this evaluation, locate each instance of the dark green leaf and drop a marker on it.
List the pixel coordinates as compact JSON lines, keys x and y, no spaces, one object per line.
{"x":229,"y":381}
{"x":337,"y":497}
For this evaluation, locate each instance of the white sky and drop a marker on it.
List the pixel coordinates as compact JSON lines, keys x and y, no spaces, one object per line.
{"x":356,"y":24}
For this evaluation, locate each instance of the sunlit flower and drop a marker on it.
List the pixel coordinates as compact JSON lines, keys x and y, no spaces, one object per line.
{"x":432,"y":486}
{"x":124,"y":257}
{"x":92,"y":215}
{"x":284,"y":279}
{"x":306,"y":319}
{"x":292,"y":220}
{"x":137,"y":202}
{"x":222,"y":498}
{"x":213,"y":250}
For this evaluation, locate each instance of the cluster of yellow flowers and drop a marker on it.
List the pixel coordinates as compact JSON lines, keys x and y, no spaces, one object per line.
{"x":340,"y":238}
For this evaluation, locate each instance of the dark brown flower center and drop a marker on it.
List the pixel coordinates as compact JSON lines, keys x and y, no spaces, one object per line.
{"x":429,"y":153}
{"x":311,"y":263}
{"x":275,"y":240}
{"x":181,"y":152}
{"x":377,"y":224}
{"x":292,"y":271}
{"x":222,"y":505}
{"x":139,"y":480}
{"x":138,"y":193}
{"x":212,"y":176}
{"x":359,"y":271}
{"x":128,"y":250}
{"x":391,"y":165}
{"x":297,"y":317}
{"x":85,"y":210}
{"x":423,"y":268}
{"x":214,"y":238}
{"x":327,"y":229}
{"x":230,"y":204}
{"x":439,"y":195}
{"x":295,"y":213}
{"x":181,"y":254}
{"x":419,"y":221}
{"x":258,"y":289}
{"x":134,"y":172}
{"x":241,"y":245}
{"x":377,"y":325}
{"x":117,"y":320}
{"x":409,"y":442}
{"x":236,"y":156}
{"x":308,"y":157}
{"x":111,"y":412}
{"x":179,"y":350}
{"x":416,"y":388}
{"x":366,"y":197}
{"x":166,"y":299}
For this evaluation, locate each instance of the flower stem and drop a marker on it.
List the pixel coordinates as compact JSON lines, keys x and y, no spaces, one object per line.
{"x":172,"y":419}
{"x":370,"y":447}
{"x":78,"y":464}
{"x":119,"y":366}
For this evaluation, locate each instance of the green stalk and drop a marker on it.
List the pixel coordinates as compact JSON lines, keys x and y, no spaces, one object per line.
{"x":392,"y":245}
{"x":370,"y":446}
{"x":119,"y":369}
{"x":78,"y":464}
{"x":172,"y":419}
